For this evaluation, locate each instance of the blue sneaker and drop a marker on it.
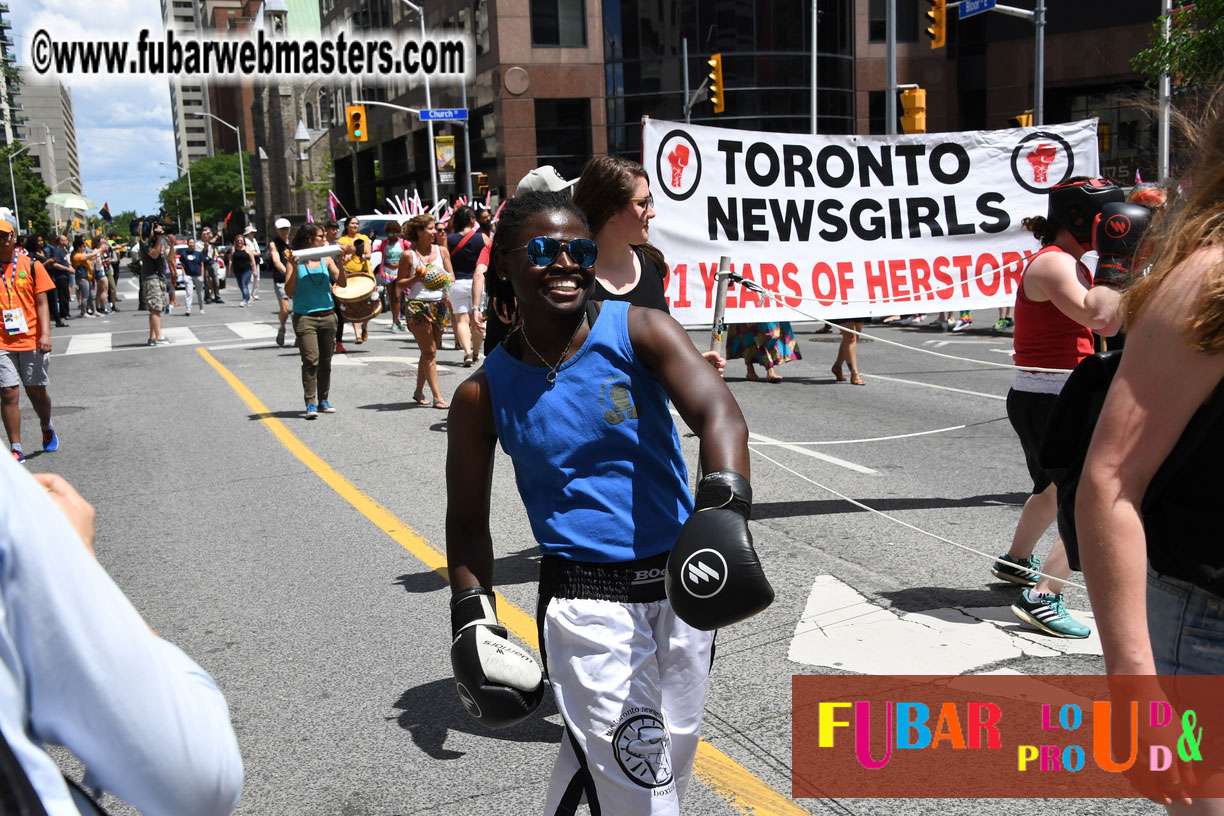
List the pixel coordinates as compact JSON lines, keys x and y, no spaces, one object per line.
{"x":325,"y":407}
{"x":311,"y":413}
{"x":50,"y":440}
{"x":18,"y":455}
{"x":1021,"y":571}
{"x":1048,"y":614}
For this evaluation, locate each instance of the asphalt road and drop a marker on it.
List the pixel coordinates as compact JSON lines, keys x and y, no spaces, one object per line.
{"x":292,"y":559}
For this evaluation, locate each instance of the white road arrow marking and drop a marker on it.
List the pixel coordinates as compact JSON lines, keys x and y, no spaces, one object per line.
{"x":840,"y":629}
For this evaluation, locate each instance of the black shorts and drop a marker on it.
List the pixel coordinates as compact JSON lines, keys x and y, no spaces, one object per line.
{"x":1029,"y":412}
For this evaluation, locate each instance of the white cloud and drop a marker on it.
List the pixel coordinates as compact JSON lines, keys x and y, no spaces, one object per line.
{"x":123,"y":125}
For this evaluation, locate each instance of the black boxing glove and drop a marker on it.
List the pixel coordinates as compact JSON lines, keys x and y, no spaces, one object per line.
{"x":714,"y":578}
{"x":1116,"y":233}
{"x":498,"y":682}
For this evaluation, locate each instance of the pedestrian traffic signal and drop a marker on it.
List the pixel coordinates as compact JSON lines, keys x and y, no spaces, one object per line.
{"x":1021,"y":119}
{"x":482,"y":183}
{"x":355,"y":116}
{"x":913,"y":107}
{"x":716,"y":83}
{"x":937,"y":30}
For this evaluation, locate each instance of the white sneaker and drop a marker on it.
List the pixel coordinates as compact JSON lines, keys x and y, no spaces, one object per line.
{"x":962,"y":324}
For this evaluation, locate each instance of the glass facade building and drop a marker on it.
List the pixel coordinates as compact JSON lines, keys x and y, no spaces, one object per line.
{"x":766,"y":56}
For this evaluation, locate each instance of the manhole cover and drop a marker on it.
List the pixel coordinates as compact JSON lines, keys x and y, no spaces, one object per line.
{"x":406,"y":372}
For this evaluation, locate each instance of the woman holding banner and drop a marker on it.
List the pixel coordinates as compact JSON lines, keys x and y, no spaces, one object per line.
{"x":614,"y":195}
{"x":767,"y":344}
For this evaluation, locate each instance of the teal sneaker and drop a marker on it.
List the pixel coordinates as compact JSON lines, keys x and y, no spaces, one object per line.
{"x":1022,"y":571}
{"x":1048,"y":614}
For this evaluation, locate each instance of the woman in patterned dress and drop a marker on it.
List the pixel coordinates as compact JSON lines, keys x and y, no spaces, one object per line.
{"x":766,"y":344}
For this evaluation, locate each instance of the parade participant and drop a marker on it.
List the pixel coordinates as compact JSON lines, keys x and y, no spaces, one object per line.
{"x":392,"y":248}
{"x":1054,"y":326}
{"x":465,"y":244}
{"x":278,"y":256}
{"x":98,"y":267}
{"x":847,"y":352}
{"x":112,"y":272}
{"x":358,"y":263}
{"x":242,"y":263}
{"x":25,"y":343}
{"x":79,"y":668}
{"x":423,"y":301}
{"x":314,"y":317}
{"x":766,"y":344}
{"x":1147,"y":511}
{"x":606,"y":490}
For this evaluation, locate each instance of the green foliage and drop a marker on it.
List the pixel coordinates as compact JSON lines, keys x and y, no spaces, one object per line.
{"x":123,"y":222}
{"x":1193,"y":56}
{"x":215,"y":186}
{"x":31,"y":191}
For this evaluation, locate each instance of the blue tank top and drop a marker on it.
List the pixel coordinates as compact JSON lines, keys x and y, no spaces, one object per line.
{"x":596,"y":456}
{"x":313,"y":293}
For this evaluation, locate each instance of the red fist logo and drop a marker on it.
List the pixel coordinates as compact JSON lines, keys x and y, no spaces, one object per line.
{"x":1117,"y":226}
{"x":1041,"y":158}
{"x":678,"y":159}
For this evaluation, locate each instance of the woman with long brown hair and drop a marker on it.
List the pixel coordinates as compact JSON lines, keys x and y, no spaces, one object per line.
{"x":421,"y":283}
{"x":1151,"y":557}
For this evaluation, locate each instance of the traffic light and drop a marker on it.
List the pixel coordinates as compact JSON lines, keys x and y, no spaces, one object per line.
{"x":913,"y":110}
{"x":716,"y":83}
{"x":1022,"y":119}
{"x":355,"y":116}
{"x":937,"y":30}
{"x":482,"y":183}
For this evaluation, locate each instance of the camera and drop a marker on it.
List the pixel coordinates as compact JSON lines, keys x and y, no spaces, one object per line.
{"x":147,"y":227}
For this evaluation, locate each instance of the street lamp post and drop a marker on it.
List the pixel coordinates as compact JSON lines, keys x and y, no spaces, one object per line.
{"x":13,"y":183}
{"x":190,"y":196}
{"x":433,"y":162}
{"x":241,"y":169}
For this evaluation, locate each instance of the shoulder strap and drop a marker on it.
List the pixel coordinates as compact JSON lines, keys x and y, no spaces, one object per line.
{"x":463,"y":241}
{"x":17,"y":795}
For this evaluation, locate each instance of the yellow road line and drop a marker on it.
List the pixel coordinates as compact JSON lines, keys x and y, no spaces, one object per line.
{"x":732,"y":781}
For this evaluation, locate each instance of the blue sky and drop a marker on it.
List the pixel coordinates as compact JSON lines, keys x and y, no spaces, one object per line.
{"x":123,"y":125}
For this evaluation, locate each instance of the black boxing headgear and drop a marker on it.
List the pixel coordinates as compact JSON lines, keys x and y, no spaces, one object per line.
{"x":1075,"y":205}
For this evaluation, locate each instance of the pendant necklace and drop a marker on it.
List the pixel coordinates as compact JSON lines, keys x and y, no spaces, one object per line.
{"x":552,"y":369}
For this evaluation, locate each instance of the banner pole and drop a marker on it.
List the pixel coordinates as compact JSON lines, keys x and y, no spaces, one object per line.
{"x":720,"y":303}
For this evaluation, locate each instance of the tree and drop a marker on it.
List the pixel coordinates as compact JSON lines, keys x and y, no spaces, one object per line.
{"x":31,"y":191}
{"x":1193,"y":56}
{"x":215,"y":186}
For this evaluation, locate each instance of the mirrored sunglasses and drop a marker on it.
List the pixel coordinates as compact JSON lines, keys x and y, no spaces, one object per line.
{"x":543,"y":251}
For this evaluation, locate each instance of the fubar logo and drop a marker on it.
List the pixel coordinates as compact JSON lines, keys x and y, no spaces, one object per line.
{"x":678,"y":165}
{"x":704,"y":573}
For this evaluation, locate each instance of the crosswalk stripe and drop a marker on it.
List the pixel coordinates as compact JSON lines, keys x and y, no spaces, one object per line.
{"x":252,"y":331}
{"x":180,"y":336}
{"x":89,"y":343}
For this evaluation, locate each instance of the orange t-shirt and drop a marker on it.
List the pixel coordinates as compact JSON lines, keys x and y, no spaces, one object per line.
{"x":19,"y":287}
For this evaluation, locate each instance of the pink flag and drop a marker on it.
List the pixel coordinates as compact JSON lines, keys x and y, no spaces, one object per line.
{"x":497,"y":214}
{"x":309,"y":217}
{"x":488,"y":199}
{"x":332,"y":201}
{"x":1138,"y":178}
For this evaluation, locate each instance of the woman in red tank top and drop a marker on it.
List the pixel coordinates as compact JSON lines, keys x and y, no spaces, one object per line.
{"x":1054,"y":326}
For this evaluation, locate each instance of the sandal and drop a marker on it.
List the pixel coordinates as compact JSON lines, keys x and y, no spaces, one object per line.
{"x":837,"y":372}
{"x":773,"y":379}
{"x":442,"y":404}
{"x":419,"y":399}
{"x":857,"y":380}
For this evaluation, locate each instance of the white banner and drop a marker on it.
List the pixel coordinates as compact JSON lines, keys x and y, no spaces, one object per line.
{"x":852,"y":226}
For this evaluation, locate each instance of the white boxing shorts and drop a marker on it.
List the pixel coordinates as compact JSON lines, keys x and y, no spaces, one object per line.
{"x":630,"y":681}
